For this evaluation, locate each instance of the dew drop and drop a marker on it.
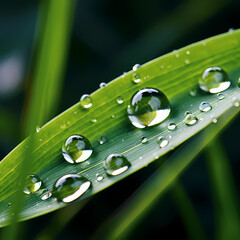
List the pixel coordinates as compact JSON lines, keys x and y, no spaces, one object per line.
{"x":187,"y":61}
{"x":190,"y":119}
{"x":38,"y":129}
{"x":214,"y":80}
{"x":136,"y":66}
{"x":76,"y":149}
{"x":172,"y":126}
{"x":116,"y":164}
{"x":148,"y":107}
{"x":94,"y":120}
{"x":136,"y":78}
{"x":32,"y":184}
{"x":188,"y":52}
{"x":236,"y":102}
{"x":220,"y":96}
{"x":102,"y":85}
{"x":99,"y":177}
{"x":119,"y":99}
{"x":144,"y":140}
{"x":86,"y":101}
{"x":214,"y":120}
{"x":46,"y":194}
{"x":162,"y":142}
{"x":9,"y":204}
{"x":113,"y":116}
{"x":193,"y":92}
{"x":205,"y":107}
{"x":70,"y":187}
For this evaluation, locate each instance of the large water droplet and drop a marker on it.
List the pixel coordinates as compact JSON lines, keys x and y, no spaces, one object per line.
{"x":116,"y":164}
{"x":70,"y":187}
{"x":172,"y":126}
{"x":190,"y":119}
{"x":163,"y":142}
{"x":86,"y":101}
{"x":148,"y":107}
{"x":205,"y":107}
{"x":33,"y":183}
{"x":76,"y":149}
{"x":214,"y":80}
{"x":136,"y":78}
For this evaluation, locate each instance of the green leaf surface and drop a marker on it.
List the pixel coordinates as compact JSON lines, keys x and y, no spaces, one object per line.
{"x":175,"y":74}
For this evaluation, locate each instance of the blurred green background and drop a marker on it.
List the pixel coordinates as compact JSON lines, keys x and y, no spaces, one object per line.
{"x":107,"y":39}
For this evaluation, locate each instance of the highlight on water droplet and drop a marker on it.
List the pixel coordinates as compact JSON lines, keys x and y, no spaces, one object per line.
{"x":102,"y":85}
{"x":32,"y":184}
{"x":136,"y":66}
{"x":172,"y":126}
{"x":116,"y":164}
{"x":102,"y":140}
{"x":99,"y":177}
{"x":214,"y":80}
{"x":136,"y":78}
{"x":148,"y":107}
{"x":190,"y":119}
{"x":205,"y":107}
{"x":119,"y":99}
{"x":162,"y":142}
{"x":76,"y":149}
{"x":144,"y":139}
{"x":46,"y":194}
{"x":220,"y":96}
{"x":38,"y":129}
{"x":70,"y":187}
{"x":86,"y":101}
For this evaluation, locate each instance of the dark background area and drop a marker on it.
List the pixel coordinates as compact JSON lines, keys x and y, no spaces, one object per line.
{"x":108,"y":38}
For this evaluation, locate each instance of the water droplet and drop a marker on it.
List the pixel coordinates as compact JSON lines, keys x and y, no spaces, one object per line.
{"x":116,"y":164}
{"x":220,"y":96}
{"x":214,"y":120}
{"x":102,"y":140}
{"x":172,"y":126}
{"x":205,"y":107}
{"x":38,"y":129}
{"x":190,"y":119}
{"x":187,"y":112}
{"x":144,"y":139}
{"x":188,"y":52}
{"x":102,"y":85}
{"x":119,"y":99}
{"x":162,"y":142}
{"x":76,"y":149}
{"x":94,"y":120}
{"x":70,"y":187}
{"x":214,"y":80}
{"x":193,"y":92}
{"x":65,"y":124}
{"x":187,"y":61}
{"x":176,"y":53}
{"x":113,"y":116}
{"x":99,"y":177}
{"x":148,"y":107}
{"x":136,"y":78}
{"x":231,"y":30}
{"x":236,"y":102}
{"x":46,"y":194}
{"x":135,"y":67}
{"x":32,"y":184}
{"x":9,"y":204}
{"x":86,"y":101}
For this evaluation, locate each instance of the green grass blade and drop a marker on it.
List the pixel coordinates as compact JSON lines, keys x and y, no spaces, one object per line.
{"x":225,"y":199}
{"x":175,"y":74}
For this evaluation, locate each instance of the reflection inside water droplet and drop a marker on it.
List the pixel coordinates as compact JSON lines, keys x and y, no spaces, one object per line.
{"x":162,"y":142}
{"x":205,"y":107}
{"x":32,"y":184}
{"x":190,"y":119}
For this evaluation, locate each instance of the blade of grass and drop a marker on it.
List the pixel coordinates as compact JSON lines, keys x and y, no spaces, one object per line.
{"x":55,"y":29}
{"x":139,"y":204}
{"x":190,"y":218}
{"x":225,"y":198}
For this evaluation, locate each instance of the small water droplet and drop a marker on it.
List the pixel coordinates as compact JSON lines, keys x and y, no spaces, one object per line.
{"x":38,"y":129}
{"x":231,"y":30}
{"x":188,"y":52}
{"x":176,"y":53}
{"x":220,"y":96}
{"x":32,"y":184}
{"x":136,"y":66}
{"x":113,"y":116}
{"x":99,"y":177}
{"x":136,"y":78}
{"x":102,"y":140}
{"x":187,"y":61}
{"x":214,"y":120}
{"x":9,"y":204}
{"x":148,"y":107}
{"x":76,"y":149}
{"x":144,"y":139}
{"x":86,"y":101}
{"x":46,"y":194}
{"x":102,"y":85}
{"x":162,"y":142}
{"x":190,"y":119}
{"x":65,"y":124}
{"x":214,"y":80}
{"x":205,"y":107}
{"x":193,"y":92}
{"x":119,"y":99}
{"x":94,"y":120}
{"x":172,"y":126}
{"x":70,"y":187}
{"x":116,"y":164}
{"x":236,"y":102}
